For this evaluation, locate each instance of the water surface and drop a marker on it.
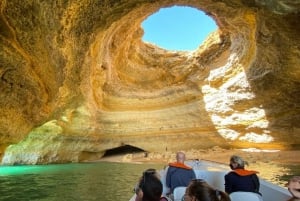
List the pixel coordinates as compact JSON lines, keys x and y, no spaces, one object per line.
{"x":92,"y":181}
{"x":103,"y":181}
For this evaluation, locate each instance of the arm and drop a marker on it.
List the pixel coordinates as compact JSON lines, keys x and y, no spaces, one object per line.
{"x":256,"y":183}
{"x":227,"y":184}
{"x":193,"y":175}
{"x":168,"y":178}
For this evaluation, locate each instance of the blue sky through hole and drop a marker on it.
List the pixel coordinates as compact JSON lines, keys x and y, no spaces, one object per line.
{"x":178,"y":28}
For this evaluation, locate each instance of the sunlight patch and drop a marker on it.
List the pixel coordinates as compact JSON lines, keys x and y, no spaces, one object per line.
{"x":256,"y":138}
{"x":228,"y":134}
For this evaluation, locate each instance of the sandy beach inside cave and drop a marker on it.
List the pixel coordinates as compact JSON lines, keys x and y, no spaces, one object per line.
{"x":215,"y":154}
{"x":270,"y":164}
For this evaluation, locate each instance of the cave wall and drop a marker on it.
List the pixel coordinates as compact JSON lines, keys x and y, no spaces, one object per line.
{"x":76,"y":80}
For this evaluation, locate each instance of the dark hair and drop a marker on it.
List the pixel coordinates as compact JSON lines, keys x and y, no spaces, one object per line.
{"x":151,"y":186}
{"x":204,"y":192}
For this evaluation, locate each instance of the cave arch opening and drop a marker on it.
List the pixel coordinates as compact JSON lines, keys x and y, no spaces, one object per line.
{"x":178,"y":28}
{"x":122,"y":150}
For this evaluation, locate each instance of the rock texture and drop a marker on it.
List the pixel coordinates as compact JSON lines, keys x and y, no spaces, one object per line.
{"x":76,"y":79}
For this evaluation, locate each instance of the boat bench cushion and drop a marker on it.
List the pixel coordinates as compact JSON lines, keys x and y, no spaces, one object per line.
{"x":179,"y":193}
{"x":245,"y":196}
{"x":213,"y":178}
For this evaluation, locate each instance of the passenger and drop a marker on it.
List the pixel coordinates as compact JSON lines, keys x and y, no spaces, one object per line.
{"x":149,"y":187}
{"x":199,"y":190}
{"x":294,"y":188}
{"x":240,"y":179}
{"x":178,"y":173}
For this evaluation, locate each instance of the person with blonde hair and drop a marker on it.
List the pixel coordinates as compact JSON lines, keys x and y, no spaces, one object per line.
{"x":240,"y":179}
{"x":199,"y":190}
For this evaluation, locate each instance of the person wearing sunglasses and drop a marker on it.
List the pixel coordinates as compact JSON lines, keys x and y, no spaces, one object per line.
{"x":179,"y":174}
{"x":240,"y":179}
{"x":149,"y":187}
{"x":199,"y":190}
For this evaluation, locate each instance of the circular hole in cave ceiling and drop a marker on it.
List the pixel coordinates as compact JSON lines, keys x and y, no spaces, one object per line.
{"x":178,"y":28}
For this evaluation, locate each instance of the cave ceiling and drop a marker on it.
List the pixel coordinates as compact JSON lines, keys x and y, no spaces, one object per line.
{"x":77,"y":79}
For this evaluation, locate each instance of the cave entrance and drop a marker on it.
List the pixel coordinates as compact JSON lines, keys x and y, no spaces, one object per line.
{"x":125,"y":149}
{"x":178,"y":28}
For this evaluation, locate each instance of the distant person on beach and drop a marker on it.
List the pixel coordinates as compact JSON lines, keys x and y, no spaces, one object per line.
{"x":178,"y":173}
{"x":240,"y":179}
{"x":149,"y":187}
{"x":294,"y":188}
{"x":199,"y":190}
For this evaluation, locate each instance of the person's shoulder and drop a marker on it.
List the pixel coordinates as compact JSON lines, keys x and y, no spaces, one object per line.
{"x":178,"y":165}
{"x":231,"y":174}
{"x":170,"y":168}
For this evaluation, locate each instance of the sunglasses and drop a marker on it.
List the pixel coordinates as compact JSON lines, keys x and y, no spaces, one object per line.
{"x":198,"y":180}
{"x":146,"y":174}
{"x":149,"y":171}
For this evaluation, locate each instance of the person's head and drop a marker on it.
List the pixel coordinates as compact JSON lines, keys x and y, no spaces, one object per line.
{"x":180,"y":157}
{"x":294,"y":199}
{"x":236,"y":162}
{"x":150,"y":187}
{"x":294,"y":187}
{"x":199,"y":190}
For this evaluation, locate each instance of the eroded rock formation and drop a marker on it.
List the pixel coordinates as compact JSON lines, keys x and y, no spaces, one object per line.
{"x":77,"y":80}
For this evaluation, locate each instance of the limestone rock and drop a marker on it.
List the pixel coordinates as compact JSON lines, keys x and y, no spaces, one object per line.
{"x":76,"y":79}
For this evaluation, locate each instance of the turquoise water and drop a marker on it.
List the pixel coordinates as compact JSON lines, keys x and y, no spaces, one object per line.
{"x":102,"y":181}
{"x":92,"y":181}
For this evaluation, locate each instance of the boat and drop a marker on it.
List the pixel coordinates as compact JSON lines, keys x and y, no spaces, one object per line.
{"x":213,"y":173}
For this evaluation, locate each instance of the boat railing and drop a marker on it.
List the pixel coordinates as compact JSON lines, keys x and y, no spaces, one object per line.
{"x":272,"y":192}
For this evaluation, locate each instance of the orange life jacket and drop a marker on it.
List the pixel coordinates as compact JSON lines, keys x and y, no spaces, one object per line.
{"x":243,"y":172}
{"x":180,"y":165}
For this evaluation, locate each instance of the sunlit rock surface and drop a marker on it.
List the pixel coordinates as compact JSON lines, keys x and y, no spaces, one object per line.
{"x":77,"y":80}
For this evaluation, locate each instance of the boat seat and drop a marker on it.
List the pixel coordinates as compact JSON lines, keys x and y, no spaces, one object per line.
{"x":163,"y":175}
{"x":245,"y":196}
{"x":179,"y":193}
{"x":213,"y":178}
